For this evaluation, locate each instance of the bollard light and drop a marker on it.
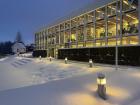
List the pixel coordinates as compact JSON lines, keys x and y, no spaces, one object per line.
{"x":66,"y":60}
{"x":50,"y":58}
{"x":101,"y":81}
{"x":90,"y":63}
{"x":40,"y":57}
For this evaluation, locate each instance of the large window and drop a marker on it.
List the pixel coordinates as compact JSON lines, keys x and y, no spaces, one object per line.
{"x":73,"y":35}
{"x":80,"y":32}
{"x":130,"y":23}
{"x":73,"y":23}
{"x":100,"y":43}
{"x":90,"y":31}
{"x":133,"y":40}
{"x":111,"y":9}
{"x":100,"y":29}
{"x":111,"y":26}
{"x":100,"y":13}
{"x":67,"y":36}
{"x":100,"y":23}
{"x":81,"y":20}
{"x":130,"y":4}
{"x":89,"y":17}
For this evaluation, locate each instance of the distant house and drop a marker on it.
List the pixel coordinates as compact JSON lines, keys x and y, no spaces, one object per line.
{"x":18,"y":48}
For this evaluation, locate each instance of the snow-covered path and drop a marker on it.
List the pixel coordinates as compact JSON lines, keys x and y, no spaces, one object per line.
{"x":29,"y":82}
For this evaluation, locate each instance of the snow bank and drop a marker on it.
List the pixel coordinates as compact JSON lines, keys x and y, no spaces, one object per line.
{"x":3,"y":59}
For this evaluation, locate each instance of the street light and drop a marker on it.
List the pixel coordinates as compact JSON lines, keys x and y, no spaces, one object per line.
{"x":101,"y":81}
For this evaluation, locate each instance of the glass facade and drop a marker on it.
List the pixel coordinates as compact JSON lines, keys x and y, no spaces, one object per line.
{"x":116,"y":21}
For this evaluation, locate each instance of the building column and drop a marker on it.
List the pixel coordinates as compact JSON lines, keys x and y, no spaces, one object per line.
{"x":121,"y":21}
{"x":106,"y":27}
{"x":94,"y":24}
{"x":85,"y":31}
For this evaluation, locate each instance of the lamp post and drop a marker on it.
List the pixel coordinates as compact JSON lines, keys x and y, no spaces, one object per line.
{"x":101,"y":81}
{"x":90,"y":63}
{"x":66,"y":60}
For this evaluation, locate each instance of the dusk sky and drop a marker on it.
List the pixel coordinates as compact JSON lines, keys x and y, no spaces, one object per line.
{"x":27,"y":16}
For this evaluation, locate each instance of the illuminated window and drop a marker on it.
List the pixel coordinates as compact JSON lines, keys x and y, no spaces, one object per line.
{"x":73,"y":45}
{"x":81,"y":34}
{"x":111,"y":26}
{"x":130,"y":4}
{"x":111,"y":42}
{"x":100,"y":43}
{"x":134,"y":40}
{"x":80,"y":20}
{"x":67,"y":36}
{"x":100,"y":13}
{"x":90,"y":31}
{"x":89,"y":44}
{"x":89,"y":17}
{"x":125,"y":41}
{"x":73,"y":23}
{"x":73,"y":35}
{"x":130,"y":23}
{"x":111,"y":9}
{"x":100,"y":29}
{"x":80,"y":45}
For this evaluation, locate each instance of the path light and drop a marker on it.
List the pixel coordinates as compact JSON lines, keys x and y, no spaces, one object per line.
{"x":40,"y":57}
{"x":50,"y":58}
{"x":101,"y":81}
{"x":66,"y":60}
{"x":90,"y":63}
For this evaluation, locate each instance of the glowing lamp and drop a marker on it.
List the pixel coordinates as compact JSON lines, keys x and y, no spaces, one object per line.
{"x":90,"y":63}
{"x":40,"y":57}
{"x":66,"y":60}
{"x":101,"y":81}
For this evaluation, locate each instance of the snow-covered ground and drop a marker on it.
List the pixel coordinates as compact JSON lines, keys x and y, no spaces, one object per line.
{"x":28,"y":81}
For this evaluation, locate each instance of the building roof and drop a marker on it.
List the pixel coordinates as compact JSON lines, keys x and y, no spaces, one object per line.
{"x":89,"y":7}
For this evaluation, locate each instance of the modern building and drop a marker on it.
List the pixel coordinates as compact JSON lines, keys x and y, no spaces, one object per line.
{"x":95,"y":32}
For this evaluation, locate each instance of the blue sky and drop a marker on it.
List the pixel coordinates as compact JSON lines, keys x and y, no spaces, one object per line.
{"x":27,"y":16}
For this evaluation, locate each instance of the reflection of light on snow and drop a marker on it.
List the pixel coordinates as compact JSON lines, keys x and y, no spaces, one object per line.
{"x":64,"y":66}
{"x":91,"y":87}
{"x":137,"y":75}
{"x":118,"y":93}
{"x":83,"y":99}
